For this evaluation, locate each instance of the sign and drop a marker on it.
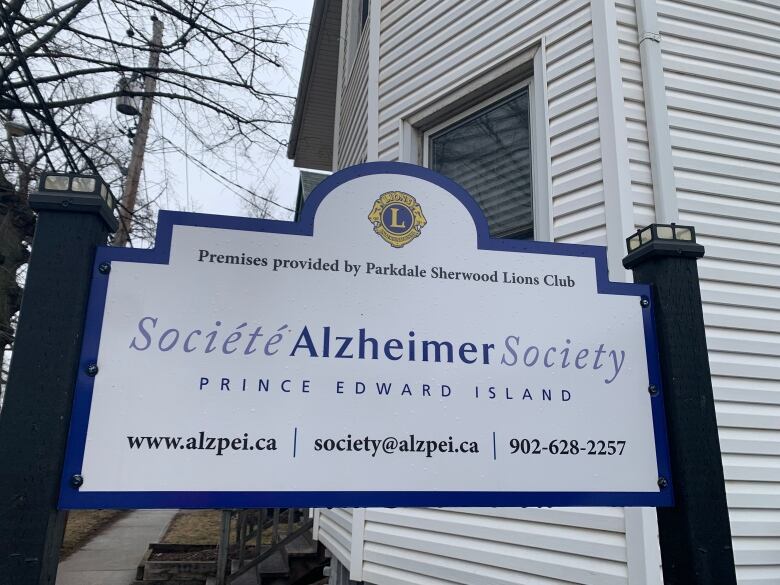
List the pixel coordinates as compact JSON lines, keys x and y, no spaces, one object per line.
{"x":382,"y":351}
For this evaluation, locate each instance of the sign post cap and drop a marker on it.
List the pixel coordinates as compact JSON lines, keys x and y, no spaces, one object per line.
{"x":72,"y":192}
{"x":662,"y":239}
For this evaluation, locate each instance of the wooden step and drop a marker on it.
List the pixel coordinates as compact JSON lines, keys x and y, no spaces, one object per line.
{"x":303,"y":545}
{"x":276,"y":564}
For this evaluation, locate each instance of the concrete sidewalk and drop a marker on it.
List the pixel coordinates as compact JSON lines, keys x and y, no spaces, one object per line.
{"x":111,"y":558}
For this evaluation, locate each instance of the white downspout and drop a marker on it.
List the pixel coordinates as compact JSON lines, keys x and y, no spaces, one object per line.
{"x":641,"y":526}
{"x":659,"y":140}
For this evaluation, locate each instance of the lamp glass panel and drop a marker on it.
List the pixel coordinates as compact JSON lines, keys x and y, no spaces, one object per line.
{"x":683,"y":233}
{"x":633,"y":243}
{"x":84,"y":184}
{"x":645,"y":235}
{"x":104,"y":194}
{"x":664,"y":232}
{"x":56,"y":183}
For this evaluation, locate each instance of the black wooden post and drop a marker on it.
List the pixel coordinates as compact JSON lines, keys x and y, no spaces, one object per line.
{"x":36,"y":414}
{"x":695,"y":534}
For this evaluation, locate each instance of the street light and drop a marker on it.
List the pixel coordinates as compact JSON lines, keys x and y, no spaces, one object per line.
{"x":76,"y":192}
{"x":16,"y":129}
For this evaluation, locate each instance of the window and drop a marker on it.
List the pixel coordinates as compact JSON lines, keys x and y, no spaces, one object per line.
{"x":487,"y":150}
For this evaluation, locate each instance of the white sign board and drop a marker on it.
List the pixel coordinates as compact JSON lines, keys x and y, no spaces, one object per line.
{"x":382,"y":351}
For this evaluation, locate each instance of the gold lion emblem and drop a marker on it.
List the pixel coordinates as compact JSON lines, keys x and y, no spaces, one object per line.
{"x":397,"y":218}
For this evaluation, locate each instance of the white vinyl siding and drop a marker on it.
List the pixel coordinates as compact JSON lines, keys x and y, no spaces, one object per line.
{"x":353,"y":117}
{"x":502,"y":546}
{"x":575,"y":149}
{"x":722,"y":71}
{"x":335,"y":532}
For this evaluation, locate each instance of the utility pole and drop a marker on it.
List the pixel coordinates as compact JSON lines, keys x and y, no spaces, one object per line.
{"x":139,"y":142}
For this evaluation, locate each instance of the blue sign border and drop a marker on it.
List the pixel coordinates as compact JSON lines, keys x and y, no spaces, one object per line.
{"x":72,"y":498}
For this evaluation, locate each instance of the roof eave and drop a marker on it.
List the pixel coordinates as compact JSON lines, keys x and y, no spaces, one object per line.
{"x":314,"y":58}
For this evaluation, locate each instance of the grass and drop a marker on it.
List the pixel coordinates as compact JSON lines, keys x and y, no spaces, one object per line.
{"x":203,"y":526}
{"x":194,"y":527}
{"x":83,"y":525}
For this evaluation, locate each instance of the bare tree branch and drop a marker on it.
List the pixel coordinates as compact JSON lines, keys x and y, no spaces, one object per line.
{"x":78,"y":6}
{"x":61,"y":64}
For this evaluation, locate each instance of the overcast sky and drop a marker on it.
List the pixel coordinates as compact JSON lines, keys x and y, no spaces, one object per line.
{"x":194,"y":189}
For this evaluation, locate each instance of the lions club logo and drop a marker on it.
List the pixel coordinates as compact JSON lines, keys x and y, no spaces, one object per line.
{"x":397,"y":218}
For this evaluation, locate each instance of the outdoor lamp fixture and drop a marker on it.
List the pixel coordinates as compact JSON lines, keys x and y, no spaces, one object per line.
{"x":15,"y":129}
{"x":72,"y":192}
{"x":662,"y":239}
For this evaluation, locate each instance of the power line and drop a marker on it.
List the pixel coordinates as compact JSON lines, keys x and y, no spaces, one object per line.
{"x":222,"y":177}
{"x":165,"y":162}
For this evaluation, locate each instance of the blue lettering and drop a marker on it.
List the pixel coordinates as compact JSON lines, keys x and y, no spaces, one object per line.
{"x":535,"y":354}
{"x":143,"y":331}
{"x":394,"y":344}
{"x":504,"y":361}
{"x":304,"y":342}
{"x":618,"y":364}
{"x":175,"y":333}
{"x":187,"y":348}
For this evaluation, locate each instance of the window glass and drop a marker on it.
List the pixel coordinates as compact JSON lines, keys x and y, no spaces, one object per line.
{"x":488,"y":153}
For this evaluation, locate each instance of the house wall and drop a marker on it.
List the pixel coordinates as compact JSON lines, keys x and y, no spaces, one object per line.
{"x":334,"y":530}
{"x":722,"y":69}
{"x":352,"y":104}
{"x":428,"y":50}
